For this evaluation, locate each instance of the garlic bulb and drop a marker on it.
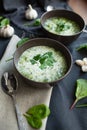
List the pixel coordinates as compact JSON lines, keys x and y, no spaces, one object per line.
{"x":6,"y":31}
{"x":31,"y":13}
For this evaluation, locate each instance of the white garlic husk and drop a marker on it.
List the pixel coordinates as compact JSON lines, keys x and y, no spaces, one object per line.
{"x":31,"y":13}
{"x":6,"y":31}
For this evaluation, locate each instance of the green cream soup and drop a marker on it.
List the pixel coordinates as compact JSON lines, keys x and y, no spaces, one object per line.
{"x":42,"y":64}
{"x":61,"y":26}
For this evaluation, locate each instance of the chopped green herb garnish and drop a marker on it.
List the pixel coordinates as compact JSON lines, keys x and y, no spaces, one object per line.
{"x":44,"y":60}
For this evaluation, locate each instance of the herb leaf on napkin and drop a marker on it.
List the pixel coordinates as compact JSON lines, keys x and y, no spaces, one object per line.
{"x":35,"y":114}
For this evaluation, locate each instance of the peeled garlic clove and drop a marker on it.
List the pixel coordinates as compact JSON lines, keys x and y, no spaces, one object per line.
{"x":84,"y":68}
{"x":31,"y":13}
{"x":79,"y":62}
{"x":85,"y":60}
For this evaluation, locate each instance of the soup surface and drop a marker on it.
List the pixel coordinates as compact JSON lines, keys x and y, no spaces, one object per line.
{"x":42,"y":64}
{"x":61,"y":26}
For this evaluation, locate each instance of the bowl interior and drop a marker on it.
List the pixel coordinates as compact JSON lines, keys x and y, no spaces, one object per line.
{"x":46,"y":42}
{"x":63,"y":13}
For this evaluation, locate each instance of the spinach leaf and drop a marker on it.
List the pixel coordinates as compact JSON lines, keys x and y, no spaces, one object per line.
{"x":41,"y":111}
{"x":35,"y":114}
{"x":84,"y":46}
{"x":44,"y":60}
{"x":37,"y":57}
{"x":22,"y":41}
{"x":81,"y":105}
{"x":81,"y":91}
{"x":35,"y":23}
{"x":33,"y":61}
{"x":4,"y":22}
{"x":35,"y":122}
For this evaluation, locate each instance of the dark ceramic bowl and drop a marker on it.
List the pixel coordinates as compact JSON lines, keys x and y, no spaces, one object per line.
{"x":40,"y":42}
{"x":66,"y":14}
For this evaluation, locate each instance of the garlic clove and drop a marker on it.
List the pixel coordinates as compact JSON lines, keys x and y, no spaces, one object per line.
{"x":6,"y":31}
{"x":85,"y":60}
{"x":31,"y":13}
{"x":84,"y":68}
{"x":79,"y":62}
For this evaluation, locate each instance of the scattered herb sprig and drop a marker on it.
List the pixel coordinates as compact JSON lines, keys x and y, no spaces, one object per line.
{"x":22,"y":41}
{"x":81,"y":105}
{"x":4,"y":22}
{"x":35,"y":23}
{"x":84,"y":46}
{"x":35,"y":115}
{"x":81,"y":91}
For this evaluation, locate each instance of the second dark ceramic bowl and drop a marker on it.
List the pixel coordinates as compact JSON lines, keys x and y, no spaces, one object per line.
{"x":65,"y":39}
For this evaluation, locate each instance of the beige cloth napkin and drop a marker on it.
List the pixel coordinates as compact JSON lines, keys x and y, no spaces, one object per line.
{"x":26,"y":96}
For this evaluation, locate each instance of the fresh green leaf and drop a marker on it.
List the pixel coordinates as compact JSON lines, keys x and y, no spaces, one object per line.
{"x":35,"y":23}
{"x":84,"y":46}
{"x":41,"y":111}
{"x":82,"y":105}
{"x":44,"y":60}
{"x":81,"y":90}
{"x":37,"y":57}
{"x":35,"y":122}
{"x":4,"y":22}
{"x":33,"y":61}
{"x":22,"y":41}
{"x":35,"y":114}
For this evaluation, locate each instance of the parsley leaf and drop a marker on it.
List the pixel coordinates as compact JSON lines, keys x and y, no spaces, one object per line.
{"x":45,"y":60}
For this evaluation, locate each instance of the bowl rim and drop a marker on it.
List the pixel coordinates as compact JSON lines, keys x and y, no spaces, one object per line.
{"x":35,"y":39}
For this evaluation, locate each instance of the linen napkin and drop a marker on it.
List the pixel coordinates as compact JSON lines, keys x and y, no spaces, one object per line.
{"x":26,"y":96}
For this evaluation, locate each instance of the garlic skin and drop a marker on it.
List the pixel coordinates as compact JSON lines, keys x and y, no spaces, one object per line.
{"x":6,"y":31}
{"x":31,"y":13}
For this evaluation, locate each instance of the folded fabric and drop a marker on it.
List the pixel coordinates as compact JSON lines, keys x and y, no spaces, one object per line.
{"x":26,"y":96}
